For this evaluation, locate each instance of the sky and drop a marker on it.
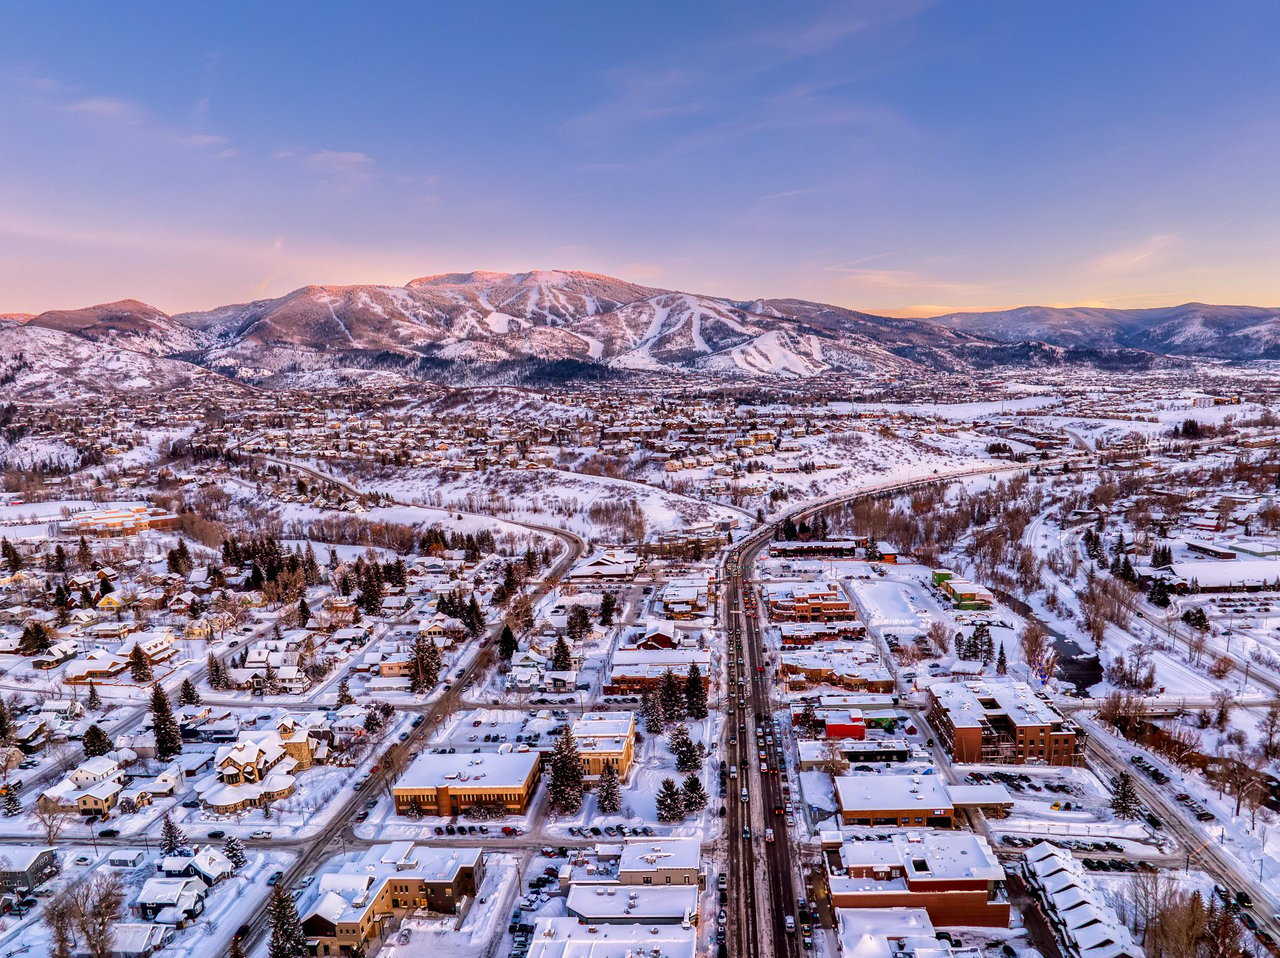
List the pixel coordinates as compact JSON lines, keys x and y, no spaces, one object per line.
{"x":897,"y":156}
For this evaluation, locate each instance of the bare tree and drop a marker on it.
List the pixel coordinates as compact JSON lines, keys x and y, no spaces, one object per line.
{"x":97,"y":905}
{"x":59,"y":915}
{"x":939,"y":637}
{"x":1269,"y":732}
{"x":53,"y":817}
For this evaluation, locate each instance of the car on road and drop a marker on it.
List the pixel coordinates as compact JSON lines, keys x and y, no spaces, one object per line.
{"x":275,"y":878}
{"x":746,"y":833}
{"x":191,"y":803}
{"x":262,"y":834}
{"x":1244,"y":899}
{"x":217,"y":833}
{"x":109,"y":833}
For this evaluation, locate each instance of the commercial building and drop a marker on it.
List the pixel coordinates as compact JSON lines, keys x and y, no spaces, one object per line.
{"x":1007,"y":722}
{"x":354,"y":906}
{"x":452,"y":784}
{"x":605,"y":738}
{"x":568,"y":938}
{"x":913,"y":801}
{"x":807,"y":602}
{"x":953,"y":875}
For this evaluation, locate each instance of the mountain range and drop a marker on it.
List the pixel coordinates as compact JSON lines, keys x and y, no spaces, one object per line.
{"x":484,"y":324}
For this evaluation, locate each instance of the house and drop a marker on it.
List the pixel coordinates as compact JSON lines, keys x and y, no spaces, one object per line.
{"x":1086,"y":926}
{"x":208,"y":864}
{"x":138,"y":939}
{"x":24,"y":868}
{"x":609,"y":564}
{"x":254,"y":771}
{"x":171,"y":901}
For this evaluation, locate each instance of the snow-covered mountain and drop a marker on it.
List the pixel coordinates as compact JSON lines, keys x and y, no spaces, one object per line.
{"x":496,"y":324}
{"x":1192,"y":329}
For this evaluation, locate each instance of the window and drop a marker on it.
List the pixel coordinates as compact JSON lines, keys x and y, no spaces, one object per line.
{"x":648,"y":880}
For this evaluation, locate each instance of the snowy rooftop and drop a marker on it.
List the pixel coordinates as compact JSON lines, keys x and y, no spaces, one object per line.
{"x":647,"y":854}
{"x":637,"y":903}
{"x":969,"y":703}
{"x":867,"y":792}
{"x":566,"y":938}
{"x":487,"y":769}
{"x":928,"y":856}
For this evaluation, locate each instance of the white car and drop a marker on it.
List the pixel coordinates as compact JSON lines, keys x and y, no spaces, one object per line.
{"x":261,"y":833}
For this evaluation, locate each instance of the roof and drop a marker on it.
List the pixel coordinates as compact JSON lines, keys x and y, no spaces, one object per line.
{"x":648,"y":854}
{"x":567,"y":938}
{"x":928,"y":856}
{"x":871,"y":792}
{"x":637,"y":903}
{"x":482,"y":769}
{"x":968,"y":703}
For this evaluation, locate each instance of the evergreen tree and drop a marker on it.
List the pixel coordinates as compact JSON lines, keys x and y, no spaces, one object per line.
{"x":1159,"y":594}
{"x":139,"y":665}
{"x":567,"y":774}
{"x":1002,"y":662}
{"x":94,"y":701}
{"x":579,"y":623}
{"x":12,"y":805}
{"x":344,"y":694}
{"x":171,"y":836}
{"x":651,"y":709}
{"x":561,"y":655}
{"x":1124,"y":797}
{"x":35,"y":639}
{"x":236,"y":950}
{"x":304,"y":611}
{"x":168,"y":735}
{"x":608,"y":605}
{"x":609,"y":790}
{"x":84,"y":554}
{"x":695,"y":796}
{"x":6,"y":723}
{"x":96,"y":742}
{"x":695,"y":693}
{"x":287,"y":939}
{"x":873,"y":550}
{"x":187,"y":694}
{"x":686,"y":753}
{"x":670,"y":802}
{"x":234,"y":851}
{"x":507,"y":644}
{"x":671,"y":696}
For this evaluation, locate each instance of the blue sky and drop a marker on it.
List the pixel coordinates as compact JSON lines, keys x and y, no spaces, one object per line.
{"x":901,"y":156}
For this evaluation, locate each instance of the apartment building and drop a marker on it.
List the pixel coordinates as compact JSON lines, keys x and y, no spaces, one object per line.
{"x":1002,"y":722}
{"x":807,"y":602}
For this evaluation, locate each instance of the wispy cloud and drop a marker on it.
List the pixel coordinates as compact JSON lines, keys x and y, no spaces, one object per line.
{"x":1146,"y":254}
{"x":830,"y":28}
{"x":346,"y":169}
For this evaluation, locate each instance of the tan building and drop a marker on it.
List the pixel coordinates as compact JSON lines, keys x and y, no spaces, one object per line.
{"x":451,"y":784}
{"x":356,"y":906}
{"x":605,"y":738}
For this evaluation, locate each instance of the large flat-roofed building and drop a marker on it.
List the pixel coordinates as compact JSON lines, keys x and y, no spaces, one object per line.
{"x":605,"y":738}
{"x":913,"y":801}
{"x":633,"y":904}
{"x":807,"y":602}
{"x":569,"y":938}
{"x":356,"y":905}
{"x":1002,"y":722}
{"x":954,"y":875}
{"x":635,"y":671}
{"x":660,"y":861}
{"x":451,"y":784}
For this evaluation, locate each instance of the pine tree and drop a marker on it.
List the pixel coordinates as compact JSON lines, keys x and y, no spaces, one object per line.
{"x":94,"y":701}
{"x":695,"y":693}
{"x":670,"y":802}
{"x":507,"y":644}
{"x":695,"y":796}
{"x":187,"y":694}
{"x":12,"y":806}
{"x":236,"y":951}
{"x":1124,"y":798}
{"x":304,"y":611}
{"x":1002,"y":662}
{"x":562,"y":655}
{"x":96,"y":742}
{"x":651,"y":708}
{"x":287,"y":939}
{"x":171,"y":836}
{"x":579,"y":623}
{"x":671,"y":696}
{"x":567,"y":774}
{"x":84,"y":554}
{"x":685,"y":752}
{"x":6,"y":723}
{"x":608,"y":605}
{"x":168,"y":735}
{"x":139,"y":665}
{"x":344,"y":694}
{"x":608,"y":790}
{"x":234,"y":851}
